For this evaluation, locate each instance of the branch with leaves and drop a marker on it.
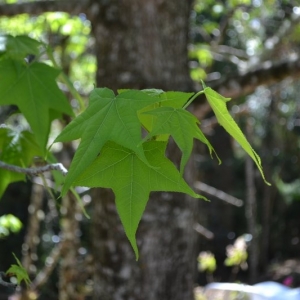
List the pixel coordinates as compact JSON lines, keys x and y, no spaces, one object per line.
{"x":112,"y":152}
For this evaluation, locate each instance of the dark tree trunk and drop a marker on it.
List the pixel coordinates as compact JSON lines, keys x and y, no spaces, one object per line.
{"x":143,"y":44}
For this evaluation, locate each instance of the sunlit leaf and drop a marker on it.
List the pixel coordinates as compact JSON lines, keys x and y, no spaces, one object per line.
{"x":218,"y":104}
{"x":182,"y":125}
{"x":10,"y":222}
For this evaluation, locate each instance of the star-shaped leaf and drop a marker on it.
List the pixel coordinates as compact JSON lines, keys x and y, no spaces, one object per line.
{"x":19,"y":271}
{"x":107,"y":118}
{"x":218,"y":104}
{"x":182,"y":125}
{"x":32,"y":87}
{"x":132,"y":180}
{"x":18,"y":47}
{"x":16,"y":148}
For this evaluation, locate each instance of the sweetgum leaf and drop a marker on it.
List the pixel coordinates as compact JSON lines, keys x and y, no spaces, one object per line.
{"x":17,"y":148}
{"x":18,"y":47}
{"x":19,"y":271}
{"x":172,"y":99}
{"x":107,"y":118}
{"x":183,"y":126}
{"x":34,"y":90}
{"x":132,"y":180}
{"x":218,"y":104}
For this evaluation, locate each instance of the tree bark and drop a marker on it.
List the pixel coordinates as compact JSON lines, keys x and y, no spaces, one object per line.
{"x":143,"y":44}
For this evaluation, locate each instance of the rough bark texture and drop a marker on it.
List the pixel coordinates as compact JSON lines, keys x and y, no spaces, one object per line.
{"x":142,"y":44}
{"x":69,"y":272}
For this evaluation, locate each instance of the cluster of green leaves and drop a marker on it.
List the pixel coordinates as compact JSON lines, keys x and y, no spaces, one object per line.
{"x":32,"y":87}
{"x":69,"y":38}
{"x":113,"y":152}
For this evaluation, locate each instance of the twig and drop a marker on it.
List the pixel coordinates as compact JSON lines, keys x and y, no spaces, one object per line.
{"x":50,"y":264}
{"x":217,"y":193}
{"x":31,"y":238}
{"x":5,"y":283}
{"x":34,"y":171}
{"x":203,"y":231}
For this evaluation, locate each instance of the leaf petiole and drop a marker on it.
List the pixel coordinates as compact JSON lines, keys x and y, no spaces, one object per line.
{"x":192,"y":99}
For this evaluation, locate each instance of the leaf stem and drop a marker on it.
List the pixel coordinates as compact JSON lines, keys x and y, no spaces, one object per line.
{"x":67,"y":81}
{"x":192,"y":99}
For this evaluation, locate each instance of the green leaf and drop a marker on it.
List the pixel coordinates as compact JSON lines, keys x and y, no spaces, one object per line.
{"x":19,"y":271}
{"x":18,"y":47}
{"x":183,"y":126}
{"x":10,"y":222}
{"x":132,"y":180}
{"x":218,"y":104}
{"x":107,"y":118}
{"x":16,"y":148}
{"x":175,"y":99}
{"x":34,"y":90}
{"x":172,"y":99}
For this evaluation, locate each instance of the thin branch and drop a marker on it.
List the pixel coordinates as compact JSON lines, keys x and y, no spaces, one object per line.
{"x":238,"y":85}
{"x":34,"y":171}
{"x":31,"y":239}
{"x":217,"y":193}
{"x":225,"y":23}
{"x":51,"y":262}
{"x":5,"y":283}
{"x":242,"y":84}
{"x":204,"y":231}
{"x":272,"y":43}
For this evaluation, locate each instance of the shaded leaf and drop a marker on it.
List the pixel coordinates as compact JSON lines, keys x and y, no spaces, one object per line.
{"x":172,"y":99}
{"x":132,"y":180}
{"x":183,"y":126}
{"x":34,"y":90}
{"x":16,"y":148}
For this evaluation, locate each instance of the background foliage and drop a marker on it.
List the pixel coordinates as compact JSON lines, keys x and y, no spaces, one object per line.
{"x":228,"y":42}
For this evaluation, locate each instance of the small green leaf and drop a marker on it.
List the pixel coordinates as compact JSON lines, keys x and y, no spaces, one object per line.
{"x":132,"y":180}
{"x":19,"y":271}
{"x":218,"y":104}
{"x":183,"y":126}
{"x":107,"y":118}
{"x":16,"y":148}
{"x":172,"y":99}
{"x":10,"y":222}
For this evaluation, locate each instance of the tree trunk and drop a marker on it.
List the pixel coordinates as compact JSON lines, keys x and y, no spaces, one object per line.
{"x":143,"y":44}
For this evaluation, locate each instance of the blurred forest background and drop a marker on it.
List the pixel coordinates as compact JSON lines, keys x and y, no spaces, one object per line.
{"x":245,"y":49}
